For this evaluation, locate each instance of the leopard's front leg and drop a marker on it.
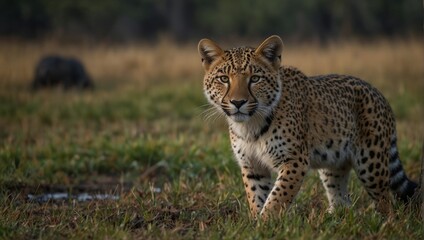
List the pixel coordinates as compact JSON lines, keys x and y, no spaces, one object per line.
{"x":286,"y":186}
{"x":257,"y":183}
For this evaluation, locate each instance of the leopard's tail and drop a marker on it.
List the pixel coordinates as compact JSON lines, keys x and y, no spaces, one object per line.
{"x":400,"y":184}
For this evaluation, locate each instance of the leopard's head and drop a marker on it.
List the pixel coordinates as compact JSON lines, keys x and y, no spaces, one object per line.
{"x":243,"y":82}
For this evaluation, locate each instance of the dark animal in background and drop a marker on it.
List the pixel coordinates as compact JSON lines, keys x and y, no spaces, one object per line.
{"x":56,"y":70}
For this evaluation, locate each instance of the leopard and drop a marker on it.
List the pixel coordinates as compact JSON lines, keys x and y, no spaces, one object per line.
{"x":283,"y":123}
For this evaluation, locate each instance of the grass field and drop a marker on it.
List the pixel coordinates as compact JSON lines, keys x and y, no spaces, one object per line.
{"x":142,"y":135}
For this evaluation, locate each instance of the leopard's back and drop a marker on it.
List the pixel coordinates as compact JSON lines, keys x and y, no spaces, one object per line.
{"x":350,"y":123}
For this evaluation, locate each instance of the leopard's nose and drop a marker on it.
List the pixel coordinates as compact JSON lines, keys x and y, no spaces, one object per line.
{"x":238,"y":103}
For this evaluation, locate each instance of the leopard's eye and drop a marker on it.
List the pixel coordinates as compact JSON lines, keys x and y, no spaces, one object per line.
{"x":255,"y":79}
{"x":224,"y":79}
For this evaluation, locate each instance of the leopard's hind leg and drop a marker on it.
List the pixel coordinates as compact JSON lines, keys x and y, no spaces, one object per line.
{"x":371,"y":167}
{"x":335,"y":182}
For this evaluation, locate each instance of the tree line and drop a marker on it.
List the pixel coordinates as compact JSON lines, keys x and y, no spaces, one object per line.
{"x":123,"y":20}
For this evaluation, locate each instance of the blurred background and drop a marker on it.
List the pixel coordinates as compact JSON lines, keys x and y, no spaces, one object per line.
{"x":183,"y":20}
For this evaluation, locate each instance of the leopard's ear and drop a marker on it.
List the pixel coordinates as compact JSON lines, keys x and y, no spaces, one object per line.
{"x":271,"y":50}
{"x":210,"y":52}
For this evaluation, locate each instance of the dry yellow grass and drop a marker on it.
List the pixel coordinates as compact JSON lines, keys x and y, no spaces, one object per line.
{"x":104,"y":62}
{"x":376,"y":61}
{"x":395,"y":67}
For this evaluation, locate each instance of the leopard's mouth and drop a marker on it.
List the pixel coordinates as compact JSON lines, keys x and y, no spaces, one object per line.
{"x":239,"y":117}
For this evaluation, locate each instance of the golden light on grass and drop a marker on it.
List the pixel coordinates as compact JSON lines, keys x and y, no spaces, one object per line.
{"x":376,"y":61}
{"x":394,"y":67}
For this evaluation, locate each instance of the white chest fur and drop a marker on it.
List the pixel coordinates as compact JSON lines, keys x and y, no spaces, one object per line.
{"x":255,"y":151}
{"x":265,"y":151}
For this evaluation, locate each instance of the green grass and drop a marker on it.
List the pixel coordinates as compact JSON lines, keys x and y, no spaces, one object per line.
{"x":172,"y":169}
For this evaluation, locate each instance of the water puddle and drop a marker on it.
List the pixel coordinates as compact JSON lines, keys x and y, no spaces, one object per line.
{"x":81,"y":197}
